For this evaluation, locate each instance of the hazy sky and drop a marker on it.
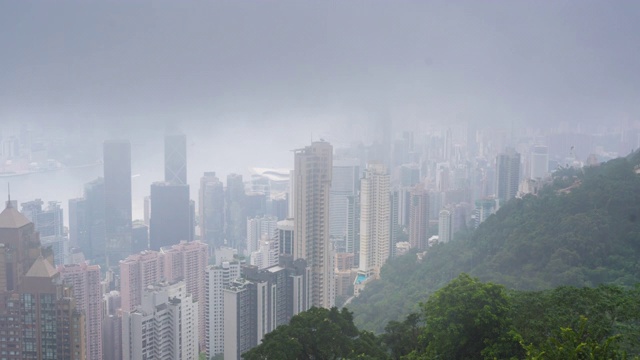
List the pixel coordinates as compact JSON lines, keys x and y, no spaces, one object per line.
{"x":216,"y":62}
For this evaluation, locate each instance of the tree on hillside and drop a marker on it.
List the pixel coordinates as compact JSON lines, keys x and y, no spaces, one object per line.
{"x":468,"y":319}
{"x":318,"y":334}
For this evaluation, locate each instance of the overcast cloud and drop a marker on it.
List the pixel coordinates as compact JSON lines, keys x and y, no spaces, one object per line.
{"x":207,"y":62}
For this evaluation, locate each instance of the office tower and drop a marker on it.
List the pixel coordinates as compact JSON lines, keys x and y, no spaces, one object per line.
{"x":375,"y":220}
{"x":170,"y":215}
{"x":30,"y":286}
{"x":259,"y":228}
{"x":267,"y":253}
{"x":211,"y":210}
{"x":285,"y":236}
{"x":394,"y":228}
{"x":175,"y":159}
{"x":218,"y":277}
{"x":235,"y":213}
{"x":165,"y":326}
{"x":483,"y":208}
{"x":78,"y":226}
{"x":255,"y":204}
{"x":85,"y":281}
{"x":94,"y":244}
{"x":111,"y":326}
{"x":139,"y":236}
{"x":445,"y":226}
{"x":59,"y":245}
{"x":539,"y":162}
{"x":137,"y":272}
{"x":313,"y":168}
{"x":261,"y":301}
{"x":344,"y":186}
{"x":239,"y":322}
{"x":48,"y":223}
{"x":418,"y":217}
{"x":117,"y":200}
{"x":279,"y":206}
{"x":409,"y":175}
{"x":187,"y":261}
{"x":507,"y":175}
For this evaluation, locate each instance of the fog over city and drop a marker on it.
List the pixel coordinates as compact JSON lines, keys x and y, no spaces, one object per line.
{"x":249,"y":78}
{"x":446,"y":110}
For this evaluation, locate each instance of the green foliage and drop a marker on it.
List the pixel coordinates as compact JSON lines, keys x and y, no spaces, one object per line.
{"x":581,"y":230}
{"x":467,"y":319}
{"x":576,"y":345}
{"x":318,"y":334}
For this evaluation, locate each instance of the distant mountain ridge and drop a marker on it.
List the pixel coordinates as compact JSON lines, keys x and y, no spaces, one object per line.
{"x":581,"y":230}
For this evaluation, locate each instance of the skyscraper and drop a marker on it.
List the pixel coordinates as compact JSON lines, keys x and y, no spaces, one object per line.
{"x":117,"y":200}
{"x":507,"y":174}
{"x":235,"y":212}
{"x":37,"y":313}
{"x":187,"y":261}
{"x":211,"y":210}
{"x":175,"y":159}
{"x":85,"y":281}
{"x":344,"y":185}
{"x":312,"y":172}
{"x":137,"y":272}
{"x":445,"y":226}
{"x":539,"y":162}
{"x":418,"y":217}
{"x":218,"y":277}
{"x":165,"y":326}
{"x":285,"y":236}
{"x":375,"y":220}
{"x":170,"y":215}
{"x":259,"y":228}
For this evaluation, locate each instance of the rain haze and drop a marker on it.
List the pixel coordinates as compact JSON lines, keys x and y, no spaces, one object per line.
{"x":249,"y":81}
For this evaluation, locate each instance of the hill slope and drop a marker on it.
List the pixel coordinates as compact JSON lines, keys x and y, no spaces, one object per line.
{"x":582,"y":230}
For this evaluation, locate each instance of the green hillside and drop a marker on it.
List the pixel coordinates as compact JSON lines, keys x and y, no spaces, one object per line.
{"x":581,"y":230}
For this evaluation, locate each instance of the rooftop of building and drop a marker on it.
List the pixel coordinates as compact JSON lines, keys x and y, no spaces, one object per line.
{"x":41,"y":268}
{"x":11,"y":218}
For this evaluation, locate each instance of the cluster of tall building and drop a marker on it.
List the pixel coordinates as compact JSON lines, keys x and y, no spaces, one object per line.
{"x":217,"y":274}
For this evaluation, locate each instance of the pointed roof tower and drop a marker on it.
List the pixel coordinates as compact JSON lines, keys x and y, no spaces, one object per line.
{"x":41,"y":268}
{"x":11,"y":218}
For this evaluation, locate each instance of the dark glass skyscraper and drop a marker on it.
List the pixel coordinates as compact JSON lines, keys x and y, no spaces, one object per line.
{"x":117,"y":190}
{"x":170,"y":215}
{"x":175,"y":159}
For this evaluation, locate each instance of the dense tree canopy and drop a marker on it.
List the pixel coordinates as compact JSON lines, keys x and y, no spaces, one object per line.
{"x":469,"y":319}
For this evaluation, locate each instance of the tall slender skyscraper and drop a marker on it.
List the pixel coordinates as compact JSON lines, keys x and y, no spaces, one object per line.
{"x":507,"y":174}
{"x":235,"y":212}
{"x":175,"y":159}
{"x":117,"y":200}
{"x":85,"y":280}
{"x":312,"y":172}
{"x":418,"y":217}
{"x":374,"y":220}
{"x":211,"y":210}
{"x":445,"y":226}
{"x":344,"y":185}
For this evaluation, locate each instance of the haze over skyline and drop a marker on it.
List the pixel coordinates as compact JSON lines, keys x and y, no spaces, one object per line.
{"x":128,"y":65}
